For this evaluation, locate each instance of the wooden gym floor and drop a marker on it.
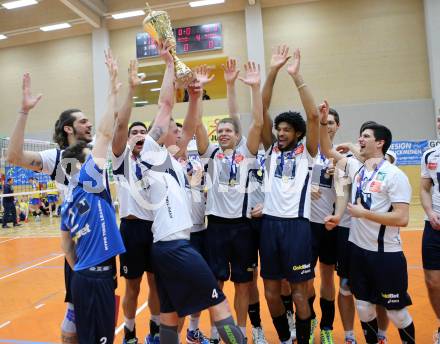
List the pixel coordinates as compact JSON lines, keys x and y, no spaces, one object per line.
{"x":32,"y":289}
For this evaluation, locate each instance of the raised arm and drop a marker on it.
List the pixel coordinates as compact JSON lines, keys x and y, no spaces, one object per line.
{"x":312,"y":135}
{"x":15,"y":154}
{"x":166,"y":96}
{"x":104,"y":133}
{"x":279,"y":58}
{"x":120,"y":135}
{"x":252,"y":78}
{"x":230,"y":73}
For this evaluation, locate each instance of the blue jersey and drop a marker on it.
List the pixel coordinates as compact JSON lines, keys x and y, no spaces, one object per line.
{"x":89,"y":215}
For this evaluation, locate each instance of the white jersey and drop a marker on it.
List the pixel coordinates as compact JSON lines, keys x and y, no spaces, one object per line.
{"x":226,"y":180}
{"x":255,"y":193}
{"x":131,"y":190}
{"x":378,"y":189}
{"x":198,"y":198}
{"x":51,"y":165}
{"x":430,"y":167}
{"x":287,"y":182}
{"x":324,"y":205}
{"x":167,"y":191}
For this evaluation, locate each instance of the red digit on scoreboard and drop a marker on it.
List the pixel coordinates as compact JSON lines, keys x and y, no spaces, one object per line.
{"x":186,"y":47}
{"x":179,"y":32}
{"x":210,"y":44}
{"x":198,"y":37}
{"x":188,"y":31}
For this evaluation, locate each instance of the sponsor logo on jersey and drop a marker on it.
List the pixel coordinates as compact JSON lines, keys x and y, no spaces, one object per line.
{"x":301,"y":267}
{"x":381,"y":176}
{"x":375,"y":186}
{"x":432,"y":165}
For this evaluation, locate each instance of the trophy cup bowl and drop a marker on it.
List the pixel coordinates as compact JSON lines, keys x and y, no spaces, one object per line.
{"x":158,"y":25}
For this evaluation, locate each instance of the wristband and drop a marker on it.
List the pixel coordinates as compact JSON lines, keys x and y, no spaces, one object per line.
{"x":301,"y":86}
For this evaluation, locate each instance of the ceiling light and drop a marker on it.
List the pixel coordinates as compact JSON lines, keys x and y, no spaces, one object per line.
{"x":3,"y":36}
{"x":55,"y":27}
{"x":129,"y":14}
{"x":135,"y":97}
{"x":141,"y":102}
{"x":20,"y":3}
{"x":149,"y":82}
{"x":141,"y":75}
{"x":205,"y":3}
{"x":155,"y":89}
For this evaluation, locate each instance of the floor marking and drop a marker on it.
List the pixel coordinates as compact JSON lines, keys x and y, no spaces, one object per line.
{"x":1,"y":242}
{"x":5,"y":324}
{"x":140,"y":309}
{"x":32,"y":266}
{"x":39,"y":306}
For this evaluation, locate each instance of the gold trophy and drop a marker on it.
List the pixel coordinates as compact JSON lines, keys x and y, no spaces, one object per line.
{"x":158,"y":25}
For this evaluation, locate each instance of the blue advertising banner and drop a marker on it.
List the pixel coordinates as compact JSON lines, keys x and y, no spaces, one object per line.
{"x":409,"y":152}
{"x":21,"y":175}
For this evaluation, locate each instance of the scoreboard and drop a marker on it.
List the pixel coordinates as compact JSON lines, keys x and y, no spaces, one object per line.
{"x":188,"y":39}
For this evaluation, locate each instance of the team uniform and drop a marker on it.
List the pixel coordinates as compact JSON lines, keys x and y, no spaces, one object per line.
{"x":285,"y":242}
{"x":431,"y":237}
{"x":35,"y":198}
{"x":230,"y":243}
{"x":136,"y":232}
{"x":378,"y":270}
{"x":89,"y":216}
{"x":176,"y":263}
{"x":324,"y":241}
{"x":52,"y":196}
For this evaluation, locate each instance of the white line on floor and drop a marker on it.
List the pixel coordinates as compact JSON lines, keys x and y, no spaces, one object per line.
{"x":140,"y":309}
{"x":5,"y":324}
{"x":1,"y":242}
{"x":39,"y":306}
{"x":32,"y":266}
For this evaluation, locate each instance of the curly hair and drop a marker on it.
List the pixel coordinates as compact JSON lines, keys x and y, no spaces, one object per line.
{"x":66,"y":118}
{"x":294,"y":119}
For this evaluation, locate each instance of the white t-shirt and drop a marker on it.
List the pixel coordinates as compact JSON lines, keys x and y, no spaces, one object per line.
{"x":287,"y":182}
{"x":226,"y":180}
{"x":380,"y":188}
{"x":51,"y":165}
{"x":255,"y":193}
{"x":130,"y":188}
{"x":324,"y":205}
{"x":430,"y":167}
{"x":198,"y":198}
{"x":167,"y":191}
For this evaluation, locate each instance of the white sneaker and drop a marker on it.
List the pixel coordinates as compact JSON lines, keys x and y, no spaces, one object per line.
{"x":37,"y":218}
{"x":258,"y":336}
{"x":292,"y":325}
{"x":437,"y":338}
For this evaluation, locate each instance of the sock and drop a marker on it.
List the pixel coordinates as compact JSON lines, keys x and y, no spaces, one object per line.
{"x":193,"y":323}
{"x":243,"y":330}
{"x":155,"y":319}
{"x":370,"y":331}
{"x":287,"y":302}
{"x":328,"y":314}
{"x":282,"y":326}
{"x":168,"y":334}
{"x":214,"y":333}
{"x":382,"y":333}
{"x":303,"y":328}
{"x":349,"y":334}
{"x":408,"y":334}
{"x":229,"y":332}
{"x":154,"y":328}
{"x":129,"y":324}
{"x":312,"y":310}
{"x":254,"y":314}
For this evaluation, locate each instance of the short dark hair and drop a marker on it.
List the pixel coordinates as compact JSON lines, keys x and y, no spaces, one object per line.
{"x":335,"y":114}
{"x":72,"y":153}
{"x":66,"y":118}
{"x":380,"y":132}
{"x":179,"y":125}
{"x":294,"y":119}
{"x":9,"y":179}
{"x":134,"y":124}
{"x":364,"y":125}
{"x":230,"y":121}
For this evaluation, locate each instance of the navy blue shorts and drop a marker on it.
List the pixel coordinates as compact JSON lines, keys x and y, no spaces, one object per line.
{"x":184,"y":281}
{"x":68,"y":273}
{"x":343,"y":260}
{"x":431,"y":248}
{"x":324,"y":244}
{"x":198,"y":241}
{"x":231,"y":249}
{"x":94,"y":300}
{"x":52,"y":198}
{"x":380,"y":278}
{"x":285,"y":249}
{"x":138,"y":238}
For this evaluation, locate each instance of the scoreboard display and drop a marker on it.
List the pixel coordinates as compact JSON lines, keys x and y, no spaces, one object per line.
{"x":188,"y":39}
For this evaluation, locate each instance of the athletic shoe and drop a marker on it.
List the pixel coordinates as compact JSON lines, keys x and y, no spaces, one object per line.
{"x":258,"y":335}
{"x":327,"y":337}
{"x":292,"y":325}
{"x":196,"y":337}
{"x":382,"y":340}
{"x":214,"y":341}
{"x":37,"y":218}
{"x":350,"y":341}
{"x":314,"y":323}
{"x":130,"y":341}
{"x":152,"y":339}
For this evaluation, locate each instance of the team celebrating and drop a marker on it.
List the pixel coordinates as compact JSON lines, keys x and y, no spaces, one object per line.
{"x":281,"y":195}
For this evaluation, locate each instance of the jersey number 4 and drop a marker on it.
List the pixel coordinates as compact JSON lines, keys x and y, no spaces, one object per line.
{"x":214,"y":294}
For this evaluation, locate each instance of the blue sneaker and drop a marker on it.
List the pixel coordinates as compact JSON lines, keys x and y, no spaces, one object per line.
{"x":152,"y":339}
{"x":196,"y":337}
